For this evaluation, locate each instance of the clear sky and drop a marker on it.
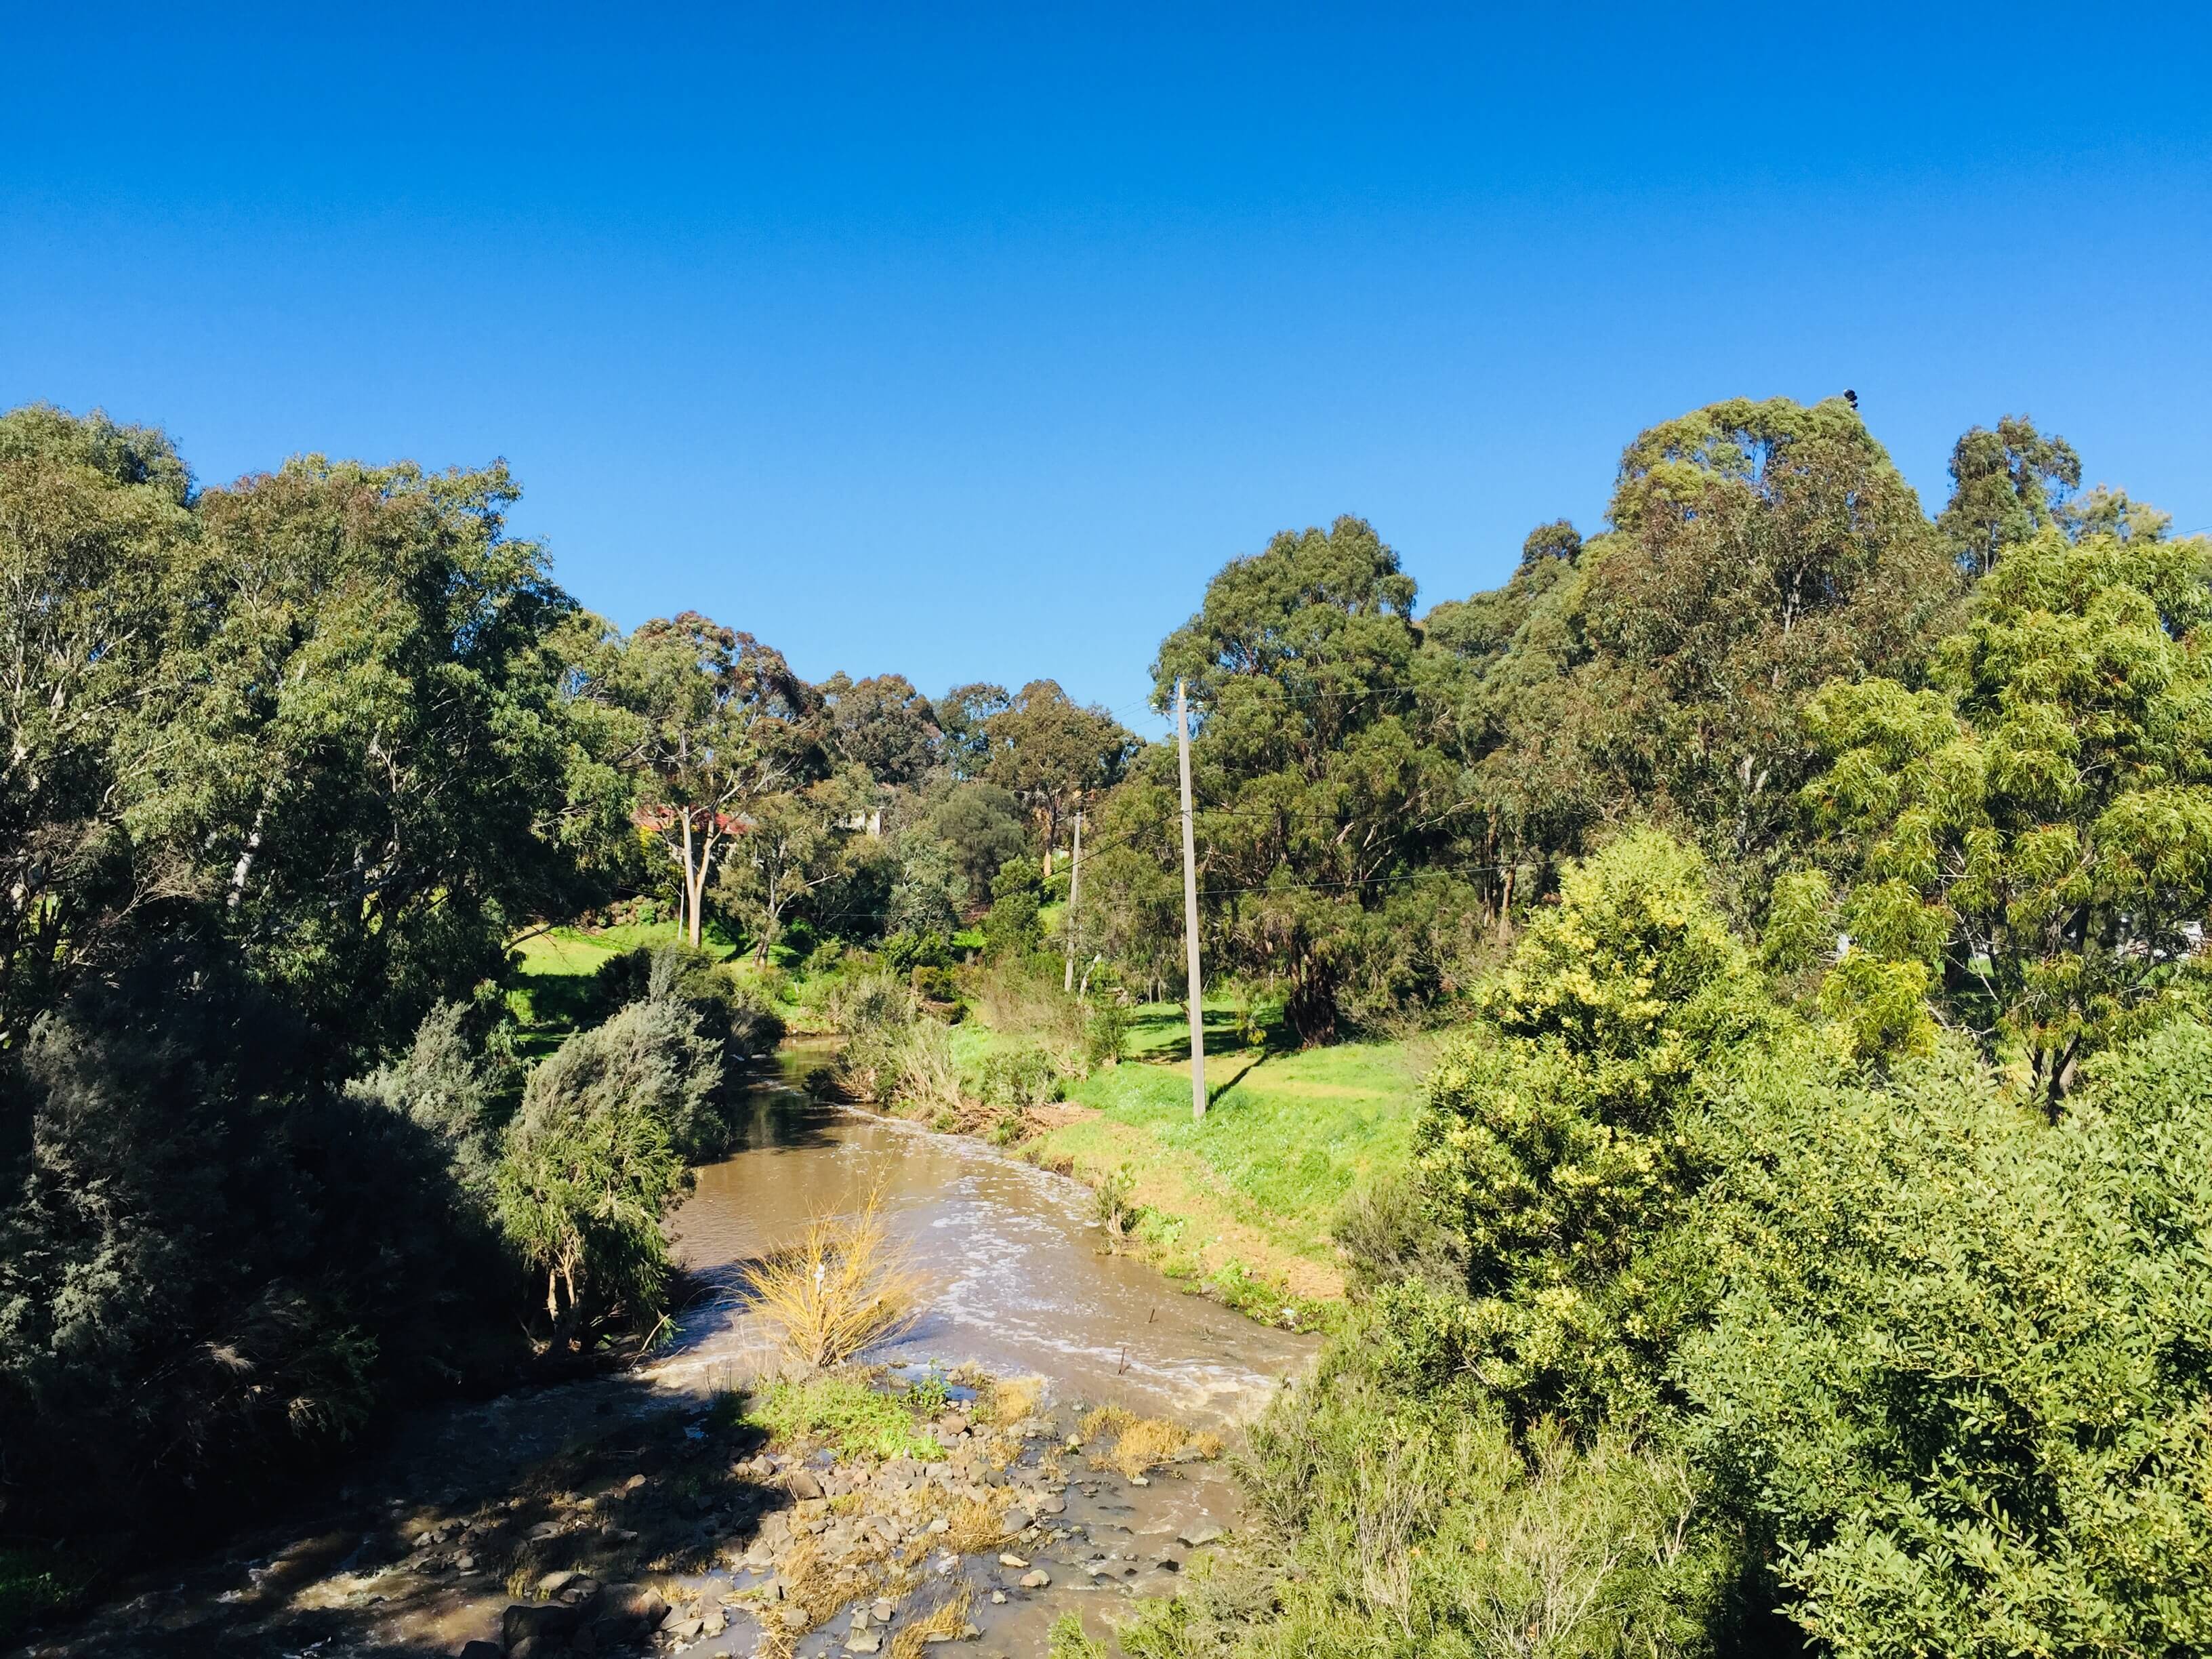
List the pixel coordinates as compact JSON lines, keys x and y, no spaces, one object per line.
{"x":968,"y":341}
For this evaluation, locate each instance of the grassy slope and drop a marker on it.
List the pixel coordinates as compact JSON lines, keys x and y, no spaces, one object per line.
{"x":558,"y":964}
{"x":1243,"y":1201}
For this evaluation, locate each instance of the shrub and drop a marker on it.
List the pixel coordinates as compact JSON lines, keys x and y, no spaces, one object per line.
{"x":1019,"y":1078}
{"x":729,"y":1012}
{"x":215,"y":1267}
{"x":1106,"y":1032}
{"x":1427,"y":1526}
{"x":1557,"y":1140}
{"x":595,"y":1159}
{"x":937,"y":984}
{"x":1388,"y":1232}
{"x":843,"y":1286}
{"x":1961,"y":1383}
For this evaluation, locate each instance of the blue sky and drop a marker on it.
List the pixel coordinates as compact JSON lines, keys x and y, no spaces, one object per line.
{"x":968,"y":341}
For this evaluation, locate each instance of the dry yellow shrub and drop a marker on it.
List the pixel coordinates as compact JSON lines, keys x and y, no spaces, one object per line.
{"x":1142,"y":1442}
{"x":977,"y":1526}
{"x":1012,"y":1398}
{"x":1106,"y":1420}
{"x":843,"y":1285}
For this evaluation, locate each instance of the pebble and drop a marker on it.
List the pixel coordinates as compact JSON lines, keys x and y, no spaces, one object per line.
{"x":1038,"y":1579}
{"x":1009,"y":1559}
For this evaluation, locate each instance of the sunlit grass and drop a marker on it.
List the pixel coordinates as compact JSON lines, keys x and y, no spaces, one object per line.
{"x":846,"y":1415}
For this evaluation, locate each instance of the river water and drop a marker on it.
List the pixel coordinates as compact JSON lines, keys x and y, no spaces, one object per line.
{"x":1018,"y":1278}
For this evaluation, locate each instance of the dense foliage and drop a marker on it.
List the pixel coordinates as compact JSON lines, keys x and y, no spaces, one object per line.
{"x":1808,"y":1244}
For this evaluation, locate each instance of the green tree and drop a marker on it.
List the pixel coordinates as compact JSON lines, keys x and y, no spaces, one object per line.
{"x":1051,"y":752}
{"x":794,"y":844}
{"x":93,"y":520}
{"x":2031,"y":835}
{"x":883,"y":725}
{"x":1764,"y":548}
{"x":1316,"y":789}
{"x":2005,"y":486}
{"x":963,"y":717}
{"x":981,"y":826}
{"x":719,"y":722}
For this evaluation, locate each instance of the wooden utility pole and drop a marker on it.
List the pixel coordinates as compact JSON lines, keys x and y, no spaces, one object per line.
{"x":1191,"y":916}
{"x":1074,"y":887}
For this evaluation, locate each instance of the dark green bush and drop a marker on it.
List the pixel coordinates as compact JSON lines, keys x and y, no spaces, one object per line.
{"x":728,"y":1012}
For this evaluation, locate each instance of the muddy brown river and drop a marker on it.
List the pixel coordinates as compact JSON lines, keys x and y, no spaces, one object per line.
{"x":1018,"y":1282}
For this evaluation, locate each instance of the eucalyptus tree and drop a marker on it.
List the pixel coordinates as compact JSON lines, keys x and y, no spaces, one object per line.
{"x":1761,"y":549}
{"x":719,"y":723}
{"x":1052,"y":751}
{"x":1316,"y":787}
{"x":2006,"y":485}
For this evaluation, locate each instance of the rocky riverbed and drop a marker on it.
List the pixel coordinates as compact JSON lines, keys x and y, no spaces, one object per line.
{"x":695,"y":1531}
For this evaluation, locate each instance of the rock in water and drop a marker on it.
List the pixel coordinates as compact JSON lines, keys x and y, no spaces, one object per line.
{"x":1038,"y":1579}
{"x":1197,"y":1533}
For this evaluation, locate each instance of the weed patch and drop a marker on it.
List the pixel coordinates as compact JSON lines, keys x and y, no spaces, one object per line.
{"x":850,"y":1418}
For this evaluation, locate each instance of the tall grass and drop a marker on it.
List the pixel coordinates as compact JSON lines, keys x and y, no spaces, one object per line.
{"x":842,"y":1286}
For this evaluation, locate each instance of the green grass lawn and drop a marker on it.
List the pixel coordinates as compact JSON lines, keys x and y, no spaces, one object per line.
{"x":1248,"y":1195}
{"x":556,"y":971}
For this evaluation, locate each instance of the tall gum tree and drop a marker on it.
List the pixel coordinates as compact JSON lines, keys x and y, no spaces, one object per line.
{"x":721,"y":721}
{"x":1762,"y":549}
{"x":1316,"y":789}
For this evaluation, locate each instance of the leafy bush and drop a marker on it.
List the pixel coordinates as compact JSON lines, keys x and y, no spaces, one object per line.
{"x":214,"y":1267}
{"x":1018,"y":1078}
{"x":937,"y":984}
{"x":1106,"y":1032}
{"x":595,"y":1160}
{"x":1557,"y":1143}
{"x":1961,"y":1383}
{"x":734,"y":1013}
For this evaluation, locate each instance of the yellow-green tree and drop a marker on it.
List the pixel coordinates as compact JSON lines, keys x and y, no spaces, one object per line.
{"x":2030,"y":838}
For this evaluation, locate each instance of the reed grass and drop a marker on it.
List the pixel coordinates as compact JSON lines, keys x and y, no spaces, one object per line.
{"x":842,"y":1286}
{"x":1140,"y":1443}
{"x":948,"y":1619}
{"x":977,"y":1525}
